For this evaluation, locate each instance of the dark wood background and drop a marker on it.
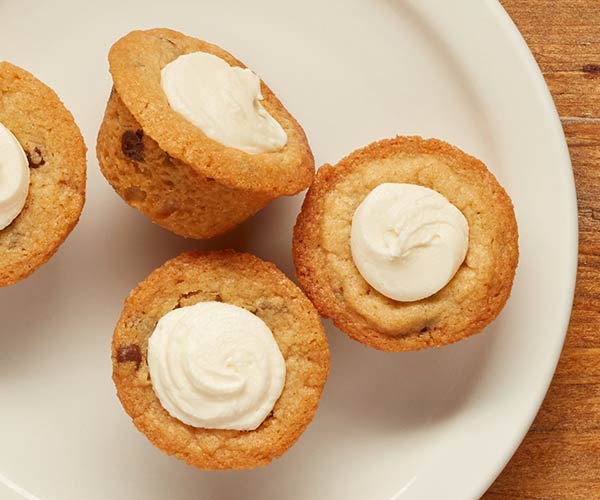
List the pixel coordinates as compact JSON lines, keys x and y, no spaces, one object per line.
{"x":560,"y":457}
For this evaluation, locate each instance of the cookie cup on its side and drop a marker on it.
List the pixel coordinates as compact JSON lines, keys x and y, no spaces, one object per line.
{"x":245,"y":281}
{"x":473,"y":297}
{"x":163,"y":165}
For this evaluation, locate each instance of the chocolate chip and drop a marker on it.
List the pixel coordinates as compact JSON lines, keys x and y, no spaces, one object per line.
{"x":425,"y":329}
{"x":127,"y":353}
{"x":132,"y":145}
{"x":593,"y":69}
{"x":35,"y":158}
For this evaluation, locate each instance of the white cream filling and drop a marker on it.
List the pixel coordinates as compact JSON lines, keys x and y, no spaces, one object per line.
{"x":223,"y":101}
{"x":408,"y":241}
{"x":14,"y":177}
{"x":216,"y":366}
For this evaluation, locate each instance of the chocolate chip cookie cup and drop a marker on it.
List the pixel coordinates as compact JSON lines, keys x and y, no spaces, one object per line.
{"x":406,"y":244}
{"x":193,"y":139}
{"x":42,"y":173}
{"x":220,"y":360}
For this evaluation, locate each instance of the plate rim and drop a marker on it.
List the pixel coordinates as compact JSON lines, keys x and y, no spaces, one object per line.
{"x":534,"y":75}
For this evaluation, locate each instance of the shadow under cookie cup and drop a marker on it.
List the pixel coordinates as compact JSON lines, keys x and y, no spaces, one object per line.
{"x":469,"y":301}
{"x":260,"y":288}
{"x":165,"y":166}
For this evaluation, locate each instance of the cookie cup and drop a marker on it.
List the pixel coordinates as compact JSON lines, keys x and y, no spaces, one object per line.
{"x":56,"y":153}
{"x":245,"y":281}
{"x":326,"y":270}
{"x":163,"y":165}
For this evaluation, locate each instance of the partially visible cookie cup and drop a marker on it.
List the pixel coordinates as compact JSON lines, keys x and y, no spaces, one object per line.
{"x":48,"y":134}
{"x":166,"y":167}
{"x":326,"y":270}
{"x":259,"y":287}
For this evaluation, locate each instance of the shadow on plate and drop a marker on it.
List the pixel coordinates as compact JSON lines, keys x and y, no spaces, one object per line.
{"x":402,"y":391}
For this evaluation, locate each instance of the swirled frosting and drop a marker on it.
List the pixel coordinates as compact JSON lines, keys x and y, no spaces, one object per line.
{"x":216,"y":366}
{"x":408,"y":241}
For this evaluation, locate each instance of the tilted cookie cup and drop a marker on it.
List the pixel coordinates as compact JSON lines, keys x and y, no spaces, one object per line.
{"x":162,"y":164}
{"x":325,"y":268}
{"x":259,"y":287}
{"x":56,"y":152}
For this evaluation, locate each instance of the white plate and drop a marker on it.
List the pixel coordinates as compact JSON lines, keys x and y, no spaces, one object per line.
{"x":434,"y":424}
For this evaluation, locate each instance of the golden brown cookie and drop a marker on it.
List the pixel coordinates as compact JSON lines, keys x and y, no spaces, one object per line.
{"x":471,"y":300}
{"x":162,"y":164}
{"x":56,"y":152}
{"x":245,"y":281}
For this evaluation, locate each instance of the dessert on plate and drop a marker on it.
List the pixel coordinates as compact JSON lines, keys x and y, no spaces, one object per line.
{"x":407,"y":243}
{"x":220,"y":360}
{"x":42,"y":173}
{"x":194,"y":139}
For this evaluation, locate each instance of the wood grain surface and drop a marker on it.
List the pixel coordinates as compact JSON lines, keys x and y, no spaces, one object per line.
{"x":560,"y":457}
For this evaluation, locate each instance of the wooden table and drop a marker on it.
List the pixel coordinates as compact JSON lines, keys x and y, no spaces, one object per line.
{"x":560,"y":457}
